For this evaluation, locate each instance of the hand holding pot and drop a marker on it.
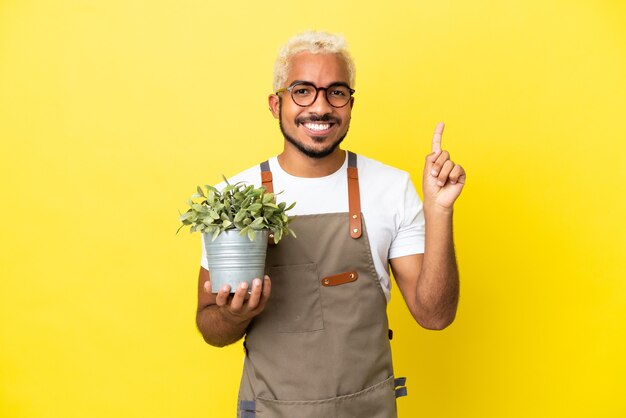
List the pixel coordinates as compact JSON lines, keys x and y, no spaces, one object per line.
{"x":242,"y":306}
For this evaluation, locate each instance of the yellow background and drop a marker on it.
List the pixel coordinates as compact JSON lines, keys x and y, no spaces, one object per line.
{"x":112,"y":111}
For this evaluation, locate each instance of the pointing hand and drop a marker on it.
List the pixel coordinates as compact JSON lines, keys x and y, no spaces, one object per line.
{"x":443,"y":180}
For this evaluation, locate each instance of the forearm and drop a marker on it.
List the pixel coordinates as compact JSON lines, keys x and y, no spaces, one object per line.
{"x":218,"y":329}
{"x":438,"y":283}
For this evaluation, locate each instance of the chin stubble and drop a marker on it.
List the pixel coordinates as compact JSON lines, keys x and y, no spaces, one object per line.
{"x":311,"y":153}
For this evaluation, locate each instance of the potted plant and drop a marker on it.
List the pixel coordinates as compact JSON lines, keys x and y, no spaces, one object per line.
{"x":237,"y":223}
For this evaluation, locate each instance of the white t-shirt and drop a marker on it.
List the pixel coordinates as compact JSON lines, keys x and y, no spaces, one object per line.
{"x":392,"y":210}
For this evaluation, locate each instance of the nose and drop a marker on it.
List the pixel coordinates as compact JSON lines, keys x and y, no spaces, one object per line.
{"x":321,"y":105}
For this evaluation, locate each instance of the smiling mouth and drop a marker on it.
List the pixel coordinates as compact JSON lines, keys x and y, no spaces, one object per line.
{"x":317,"y":126}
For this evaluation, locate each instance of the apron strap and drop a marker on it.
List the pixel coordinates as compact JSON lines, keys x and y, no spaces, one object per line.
{"x":266,"y":177}
{"x":266,"y":181}
{"x":354,"y":197}
{"x":400,"y":384}
{"x":247,"y":409}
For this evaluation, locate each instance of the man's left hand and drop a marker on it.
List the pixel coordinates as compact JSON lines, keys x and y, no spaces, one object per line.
{"x":443,"y":180}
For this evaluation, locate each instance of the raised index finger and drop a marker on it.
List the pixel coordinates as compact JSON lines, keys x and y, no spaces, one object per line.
{"x":437,"y":137}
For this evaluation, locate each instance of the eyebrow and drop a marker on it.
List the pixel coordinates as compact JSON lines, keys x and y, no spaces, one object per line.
{"x":334,"y":83}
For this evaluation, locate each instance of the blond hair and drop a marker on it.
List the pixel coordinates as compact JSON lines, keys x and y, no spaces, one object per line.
{"x":315,"y":43}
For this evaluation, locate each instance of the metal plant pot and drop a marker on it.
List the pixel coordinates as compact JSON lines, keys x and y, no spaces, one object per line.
{"x":234,"y":258}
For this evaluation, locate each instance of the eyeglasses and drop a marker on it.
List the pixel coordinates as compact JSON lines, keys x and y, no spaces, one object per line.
{"x":305,"y":94}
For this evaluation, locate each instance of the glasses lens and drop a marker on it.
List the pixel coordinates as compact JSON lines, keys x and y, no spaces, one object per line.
{"x":338,"y":95}
{"x":303,"y":94}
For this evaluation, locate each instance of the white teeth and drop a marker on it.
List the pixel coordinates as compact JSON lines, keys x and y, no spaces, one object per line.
{"x":317,"y":126}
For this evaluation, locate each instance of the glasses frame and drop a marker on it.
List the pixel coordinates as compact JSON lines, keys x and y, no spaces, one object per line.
{"x":317,"y":91}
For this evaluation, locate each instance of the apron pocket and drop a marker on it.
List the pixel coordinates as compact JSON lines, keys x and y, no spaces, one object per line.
{"x":294,"y":304}
{"x":377,"y":401}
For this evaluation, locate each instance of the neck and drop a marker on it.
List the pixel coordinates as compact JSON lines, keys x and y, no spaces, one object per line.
{"x":297,"y":164}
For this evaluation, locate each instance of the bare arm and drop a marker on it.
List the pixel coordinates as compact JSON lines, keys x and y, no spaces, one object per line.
{"x":429,"y":283}
{"x":222,"y":318}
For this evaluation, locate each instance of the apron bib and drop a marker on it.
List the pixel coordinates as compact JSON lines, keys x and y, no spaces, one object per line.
{"x":320,"y":348}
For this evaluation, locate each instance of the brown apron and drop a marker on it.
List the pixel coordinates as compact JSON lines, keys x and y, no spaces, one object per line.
{"x":320,"y":349}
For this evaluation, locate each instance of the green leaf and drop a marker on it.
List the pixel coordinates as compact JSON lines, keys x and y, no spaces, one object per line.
{"x":185,"y":215}
{"x":255,"y":207}
{"x":278,"y":234}
{"x":291,"y":206}
{"x":200,"y":192}
{"x":240,"y":215}
{"x":257,"y":224}
{"x":251,"y":234}
{"x":268,"y":197}
{"x":215,"y":234}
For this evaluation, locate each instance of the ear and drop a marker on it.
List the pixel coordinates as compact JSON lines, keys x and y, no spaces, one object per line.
{"x":351,"y":102}
{"x":274,"y":103}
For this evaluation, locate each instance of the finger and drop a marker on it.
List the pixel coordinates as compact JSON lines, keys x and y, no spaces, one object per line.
{"x":432,"y":157}
{"x":444,"y":173}
{"x":255,"y":296}
{"x":430,"y":160}
{"x":437,"y":137}
{"x":436,"y":168}
{"x":222,"y":296}
{"x":456,"y":175}
{"x":239,"y":298}
{"x":267,"y":289}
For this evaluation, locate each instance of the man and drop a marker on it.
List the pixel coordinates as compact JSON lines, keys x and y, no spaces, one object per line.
{"x":316,"y":332}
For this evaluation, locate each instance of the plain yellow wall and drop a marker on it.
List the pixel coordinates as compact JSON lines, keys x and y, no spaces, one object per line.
{"x":112,"y":111}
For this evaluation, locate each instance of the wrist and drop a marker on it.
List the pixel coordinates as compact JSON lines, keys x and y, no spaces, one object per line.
{"x":233,"y":319}
{"x":435,"y":210}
